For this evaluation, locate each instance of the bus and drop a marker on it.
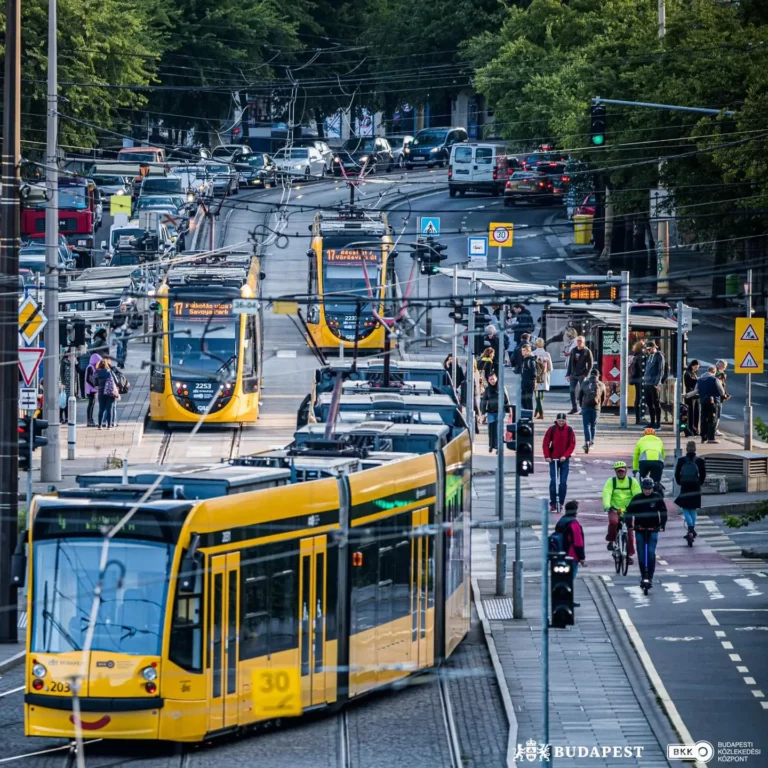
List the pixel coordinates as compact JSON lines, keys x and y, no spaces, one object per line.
{"x":345,"y":564}
{"x":351,"y":273}
{"x":205,"y":358}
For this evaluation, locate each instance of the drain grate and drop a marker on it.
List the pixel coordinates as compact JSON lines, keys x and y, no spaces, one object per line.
{"x":500,"y":608}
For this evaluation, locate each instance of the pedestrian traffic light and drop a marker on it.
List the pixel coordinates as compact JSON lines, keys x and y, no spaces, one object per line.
{"x":524,"y":448}
{"x":457,"y":314}
{"x":32,"y":429}
{"x":597,"y":131}
{"x":683,"y":425}
{"x":561,"y":581}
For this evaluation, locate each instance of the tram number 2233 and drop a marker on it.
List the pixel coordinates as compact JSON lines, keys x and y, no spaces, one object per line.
{"x":276,"y":692}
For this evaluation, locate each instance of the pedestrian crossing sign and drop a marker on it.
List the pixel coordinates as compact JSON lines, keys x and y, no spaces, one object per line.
{"x":749,"y":345}
{"x":429,"y":226}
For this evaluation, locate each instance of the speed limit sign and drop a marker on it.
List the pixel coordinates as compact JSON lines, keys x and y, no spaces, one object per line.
{"x":501,"y":234}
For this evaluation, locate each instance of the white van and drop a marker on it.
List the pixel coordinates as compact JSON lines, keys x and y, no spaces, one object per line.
{"x":476,"y":168}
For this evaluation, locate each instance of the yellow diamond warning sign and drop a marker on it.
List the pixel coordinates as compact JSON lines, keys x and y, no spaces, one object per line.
{"x":749,"y":345}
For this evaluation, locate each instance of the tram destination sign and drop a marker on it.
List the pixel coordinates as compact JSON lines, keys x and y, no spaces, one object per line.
{"x":202,"y":309}
{"x":584,"y":290}
{"x":351,"y":256}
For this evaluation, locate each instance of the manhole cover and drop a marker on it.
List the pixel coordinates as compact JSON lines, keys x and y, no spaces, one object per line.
{"x":498,"y":609}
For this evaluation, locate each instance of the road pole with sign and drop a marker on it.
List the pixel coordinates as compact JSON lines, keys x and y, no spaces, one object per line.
{"x":501,"y":547}
{"x":455,"y":347}
{"x":624,"y":342}
{"x":72,"y":408}
{"x":748,"y":406}
{"x":517,"y":573}
{"x":679,"y":388}
{"x":500,"y":234}
{"x":749,"y":354}
{"x":470,"y":404}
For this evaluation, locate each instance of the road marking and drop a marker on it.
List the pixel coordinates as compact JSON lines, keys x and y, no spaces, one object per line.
{"x":759,"y":384}
{"x":734,"y":657}
{"x":636,"y":593}
{"x":726,"y":416}
{"x":743,"y":670}
{"x":719,"y":633}
{"x":674,"y":589}
{"x":764,"y":704}
{"x":727,"y":645}
{"x":13,"y":690}
{"x":750,"y":586}
{"x":758,"y":694}
{"x":714,"y":592}
{"x":710,"y":617}
{"x":750,"y":681}
{"x":653,"y":676}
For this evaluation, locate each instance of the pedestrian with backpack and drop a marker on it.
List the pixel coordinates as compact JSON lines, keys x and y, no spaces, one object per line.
{"x":108,"y":394}
{"x":569,"y":537}
{"x":559,"y":444}
{"x":543,"y":371}
{"x":591,"y":396}
{"x":690,"y":474}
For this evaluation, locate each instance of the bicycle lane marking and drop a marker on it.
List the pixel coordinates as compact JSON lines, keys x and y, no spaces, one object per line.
{"x":656,"y":682}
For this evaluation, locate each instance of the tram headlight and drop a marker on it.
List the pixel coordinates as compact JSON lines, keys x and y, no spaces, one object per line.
{"x":38,"y":670}
{"x":149,"y":673}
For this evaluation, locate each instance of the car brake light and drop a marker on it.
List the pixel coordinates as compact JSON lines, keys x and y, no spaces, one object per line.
{"x":566,"y":178}
{"x":495,"y":174}
{"x":450,"y":172}
{"x":509,"y":184}
{"x":541,"y":183}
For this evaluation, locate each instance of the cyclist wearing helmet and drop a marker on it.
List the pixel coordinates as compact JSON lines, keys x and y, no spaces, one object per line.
{"x":647,"y":514}
{"x":649,"y":456}
{"x":618,"y":491}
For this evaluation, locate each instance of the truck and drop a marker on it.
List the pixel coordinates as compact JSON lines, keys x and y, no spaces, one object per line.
{"x":80,"y":212}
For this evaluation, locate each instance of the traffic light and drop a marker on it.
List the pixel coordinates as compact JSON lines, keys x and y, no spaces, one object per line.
{"x":597,"y":131}
{"x":561,"y":581}
{"x":510,"y":436}
{"x":524,"y":441}
{"x":32,"y":429}
{"x":683,"y":425}
{"x":432,"y":256}
{"x":78,"y":332}
{"x":457,"y":314}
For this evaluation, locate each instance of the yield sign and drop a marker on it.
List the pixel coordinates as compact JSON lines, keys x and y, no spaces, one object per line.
{"x":29,"y":362}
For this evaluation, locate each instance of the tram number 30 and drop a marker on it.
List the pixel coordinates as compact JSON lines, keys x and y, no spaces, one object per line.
{"x":276,"y":692}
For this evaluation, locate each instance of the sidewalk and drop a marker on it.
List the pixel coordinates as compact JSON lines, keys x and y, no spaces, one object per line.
{"x":96,"y":448}
{"x":593,"y":701}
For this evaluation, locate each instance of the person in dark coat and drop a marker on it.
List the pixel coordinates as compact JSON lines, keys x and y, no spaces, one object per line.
{"x":489,"y":405}
{"x":690,"y":380}
{"x":448,"y":365}
{"x":493,"y":340}
{"x":690,"y":474}
{"x":516,"y":355}
{"x":647,"y":514}
{"x":710,"y":391}
{"x":527,"y":377}
{"x":524,"y":322}
{"x":580,"y":363}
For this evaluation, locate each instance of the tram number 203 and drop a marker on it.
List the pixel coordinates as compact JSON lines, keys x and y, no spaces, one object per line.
{"x":60,"y":688}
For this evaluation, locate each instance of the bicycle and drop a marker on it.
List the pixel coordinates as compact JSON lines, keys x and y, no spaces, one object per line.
{"x":620,"y":556}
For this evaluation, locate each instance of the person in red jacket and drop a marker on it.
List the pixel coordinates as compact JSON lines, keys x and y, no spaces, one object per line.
{"x":559,"y":444}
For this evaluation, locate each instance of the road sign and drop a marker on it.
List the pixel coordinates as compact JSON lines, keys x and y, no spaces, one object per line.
{"x":477,"y":247}
{"x":687,"y":318}
{"x":32,"y":319}
{"x":28,"y":399}
{"x":749,"y":345}
{"x":500,"y":233}
{"x":276,"y":692}
{"x":29,"y":362}
{"x":120,"y":204}
{"x":245,"y":306}
{"x":429,"y":226}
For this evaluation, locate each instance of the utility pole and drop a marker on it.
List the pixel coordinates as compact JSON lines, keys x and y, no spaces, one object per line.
{"x":9,"y":311}
{"x":471,"y":364}
{"x":50,"y":467}
{"x":545,"y":626}
{"x":748,"y":406}
{"x":662,"y":18}
{"x":624,"y":342}
{"x":517,"y":573}
{"x":679,"y":388}
{"x":501,"y":547}
{"x":455,"y":349}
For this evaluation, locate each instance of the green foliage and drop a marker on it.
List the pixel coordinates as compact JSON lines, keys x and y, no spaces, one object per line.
{"x":761,"y":428}
{"x":742,"y":521}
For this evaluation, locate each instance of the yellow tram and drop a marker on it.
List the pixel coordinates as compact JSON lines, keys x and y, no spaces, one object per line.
{"x":351,"y":272}
{"x":348,"y":562}
{"x":206,"y":359}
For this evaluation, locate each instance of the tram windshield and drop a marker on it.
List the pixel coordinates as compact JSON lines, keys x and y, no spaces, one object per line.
{"x":345,"y":266}
{"x":203,"y":337}
{"x":132,"y":606}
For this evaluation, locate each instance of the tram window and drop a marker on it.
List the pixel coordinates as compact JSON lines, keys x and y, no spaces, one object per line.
{"x":249,"y":351}
{"x":402,"y":588}
{"x":255,"y":612}
{"x":384,"y":593}
{"x":284,"y":630}
{"x":364,"y":583}
{"x":186,"y":647}
{"x":331,"y":593}
{"x":157,"y":372}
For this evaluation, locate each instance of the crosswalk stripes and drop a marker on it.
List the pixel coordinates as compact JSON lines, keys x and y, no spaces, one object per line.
{"x":22,"y":620}
{"x":710,"y":533}
{"x":483,"y":561}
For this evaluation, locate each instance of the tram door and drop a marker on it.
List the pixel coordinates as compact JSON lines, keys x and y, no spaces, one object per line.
{"x":312,"y":624}
{"x":420,"y":590}
{"x":223,"y":623}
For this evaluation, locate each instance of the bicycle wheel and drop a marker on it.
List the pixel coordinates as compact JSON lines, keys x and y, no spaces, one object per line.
{"x":617,"y":559}
{"x":624,"y":546}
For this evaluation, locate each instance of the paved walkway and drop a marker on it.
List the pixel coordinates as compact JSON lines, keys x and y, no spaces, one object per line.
{"x":592,"y":701}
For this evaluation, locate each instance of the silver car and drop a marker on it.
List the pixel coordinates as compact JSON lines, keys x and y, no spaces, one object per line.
{"x":305,"y":162}
{"x":224,"y":178}
{"x":113,"y":185}
{"x":398,"y":144}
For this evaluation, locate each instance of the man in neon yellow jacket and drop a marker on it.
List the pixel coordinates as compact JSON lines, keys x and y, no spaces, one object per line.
{"x":649,"y":456}
{"x":618,"y":491}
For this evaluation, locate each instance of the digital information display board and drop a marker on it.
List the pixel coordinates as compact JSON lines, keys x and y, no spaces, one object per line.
{"x":571,"y":290}
{"x":202,"y":309}
{"x":350,"y":256}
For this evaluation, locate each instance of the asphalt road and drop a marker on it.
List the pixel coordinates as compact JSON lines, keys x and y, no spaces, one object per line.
{"x":705,"y":636}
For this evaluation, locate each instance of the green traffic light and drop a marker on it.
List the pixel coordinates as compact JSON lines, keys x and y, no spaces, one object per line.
{"x":598,"y":139}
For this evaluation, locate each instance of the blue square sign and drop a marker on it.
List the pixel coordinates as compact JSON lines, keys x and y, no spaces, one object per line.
{"x":429,"y":226}
{"x":477,"y":247}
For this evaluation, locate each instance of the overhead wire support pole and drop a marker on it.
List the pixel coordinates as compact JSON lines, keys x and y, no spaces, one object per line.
{"x":748,"y":406}
{"x":470,"y":404}
{"x":545,"y":627}
{"x":653,"y":105}
{"x":455,"y":350}
{"x":501,"y":547}
{"x":9,"y":310}
{"x":624,"y":349}
{"x":50,"y":465}
{"x":518,"y":612}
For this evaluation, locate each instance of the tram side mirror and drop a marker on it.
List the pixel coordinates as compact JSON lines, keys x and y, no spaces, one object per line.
{"x":154,"y":306}
{"x":393,"y":254}
{"x":262,"y":275}
{"x":310,"y":253}
{"x":19,"y":562}
{"x":189,"y":568}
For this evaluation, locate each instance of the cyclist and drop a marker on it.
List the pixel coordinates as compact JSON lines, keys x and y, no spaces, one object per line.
{"x":647,"y":514}
{"x":618,"y":491}
{"x":649,"y":456}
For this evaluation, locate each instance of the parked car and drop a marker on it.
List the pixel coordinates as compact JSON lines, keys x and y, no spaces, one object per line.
{"x":232,"y":152}
{"x":300,"y":161}
{"x":141,"y":155}
{"x":321,"y":146}
{"x":32,"y":258}
{"x":374,"y":154}
{"x":398,"y":145}
{"x":556,"y":175}
{"x":256,"y":171}
{"x":432,"y":146}
{"x":476,"y":168}
{"x":223,"y":178}
{"x":113,"y":185}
